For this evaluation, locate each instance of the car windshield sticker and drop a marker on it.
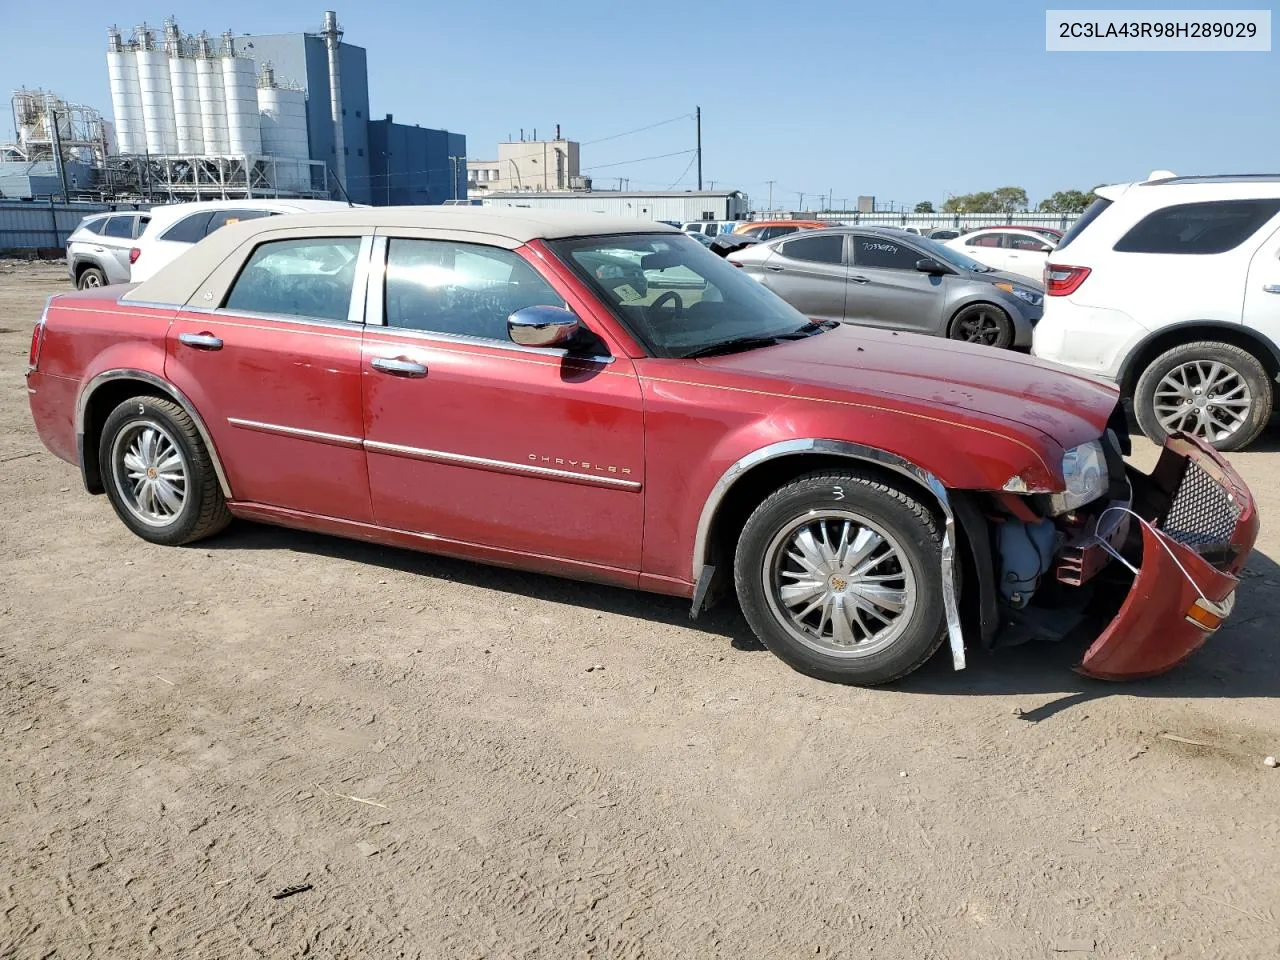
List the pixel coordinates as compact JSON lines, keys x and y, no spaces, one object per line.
{"x":626,"y":292}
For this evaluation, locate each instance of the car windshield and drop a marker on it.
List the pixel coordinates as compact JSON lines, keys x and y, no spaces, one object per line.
{"x":940,"y":251}
{"x":676,"y":296}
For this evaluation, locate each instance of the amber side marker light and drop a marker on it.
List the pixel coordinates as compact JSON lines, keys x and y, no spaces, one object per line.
{"x":1209,"y":616}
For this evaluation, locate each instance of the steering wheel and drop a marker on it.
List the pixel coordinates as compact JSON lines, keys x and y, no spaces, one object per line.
{"x":669,"y":297}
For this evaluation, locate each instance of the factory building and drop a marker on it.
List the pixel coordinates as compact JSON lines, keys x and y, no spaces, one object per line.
{"x":260,"y":115}
{"x":58,"y":142}
{"x":643,"y":205}
{"x":532,"y":165}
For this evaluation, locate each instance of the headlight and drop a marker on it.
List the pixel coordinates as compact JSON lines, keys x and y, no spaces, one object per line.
{"x":1084,"y":468}
{"x":1022,"y":293}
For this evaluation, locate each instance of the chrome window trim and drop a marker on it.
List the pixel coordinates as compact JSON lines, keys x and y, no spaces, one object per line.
{"x":854,"y":451}
{"x":336,"y":439}
{"x":464,"y":340}
{"x":355,"y":307}
{"x":87,"y":391}
{"x":500,"y":466}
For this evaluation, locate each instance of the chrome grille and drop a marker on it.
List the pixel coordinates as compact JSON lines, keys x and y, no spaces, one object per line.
{"x":1202,"y":512}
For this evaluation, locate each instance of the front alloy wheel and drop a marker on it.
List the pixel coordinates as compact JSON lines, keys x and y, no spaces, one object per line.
{"x":840,"y":575}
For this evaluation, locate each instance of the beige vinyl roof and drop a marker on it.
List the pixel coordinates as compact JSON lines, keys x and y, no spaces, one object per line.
{"x":178,"y":281}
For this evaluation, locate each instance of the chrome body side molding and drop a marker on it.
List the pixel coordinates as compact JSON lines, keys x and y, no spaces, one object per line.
{"x":853,"y":451}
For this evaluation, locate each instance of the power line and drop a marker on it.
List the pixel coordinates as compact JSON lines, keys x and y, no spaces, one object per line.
{"x":683,"y":175}
{"x":615,"y":136}
{"x":623,"y":163}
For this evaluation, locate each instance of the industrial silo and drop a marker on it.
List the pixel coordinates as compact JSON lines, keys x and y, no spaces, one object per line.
{"x":283,"y":116}
{"x":126,"y":101}
{"x":186,"y":93}
{"x":213,"y":108}
{"x":240,"y":92}
{"x":157,"y":96}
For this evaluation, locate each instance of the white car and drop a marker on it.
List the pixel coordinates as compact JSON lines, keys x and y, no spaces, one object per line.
{"x":1013,"y":251}
{"x":175,"y":227}
{"x":710,"y":228}
{"x":1171,"y":288}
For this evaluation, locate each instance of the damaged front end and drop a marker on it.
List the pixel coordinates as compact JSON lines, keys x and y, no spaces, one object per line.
{"x":1149,"y":567}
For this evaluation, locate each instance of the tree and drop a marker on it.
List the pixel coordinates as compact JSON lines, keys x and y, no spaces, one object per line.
{"x":1010,"y":199}
{"x":984,"y":202}
{"x":1066,"y":201}
{"x":924,"y":206}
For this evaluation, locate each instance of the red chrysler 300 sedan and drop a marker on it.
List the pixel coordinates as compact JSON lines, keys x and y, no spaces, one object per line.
{"x":608,"y":400}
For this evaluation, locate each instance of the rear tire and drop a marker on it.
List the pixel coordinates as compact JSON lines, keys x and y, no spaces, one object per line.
{"x":839,"y":574}
{"x":91,"y":277}
{"x":158,"y":474}
{"x":983,"y":323}
{"x":1229,"y":391}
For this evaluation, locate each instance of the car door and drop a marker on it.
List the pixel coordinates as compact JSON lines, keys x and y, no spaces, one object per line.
{"x":884,"y":288}
{"x":1262,"y":289}
{"x":475,"y":440}
{"x":809,"y":272}
{"x":1025,"y":254}
{"x":117,"y":240}
{"x":268,"y":350}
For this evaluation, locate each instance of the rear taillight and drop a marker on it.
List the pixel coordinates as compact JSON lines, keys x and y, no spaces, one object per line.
{"x":1062,"y":281}
{"x":134,"y":254}
{"x":37,"y":342}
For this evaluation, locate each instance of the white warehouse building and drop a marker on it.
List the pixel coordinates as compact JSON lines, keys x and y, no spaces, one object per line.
{"x":674,"y":205}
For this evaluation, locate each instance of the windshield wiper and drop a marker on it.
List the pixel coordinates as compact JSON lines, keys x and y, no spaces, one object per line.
{"x":730,"y":346}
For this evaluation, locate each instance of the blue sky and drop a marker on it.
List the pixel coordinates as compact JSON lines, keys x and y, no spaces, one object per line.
{"x":905,"y":101}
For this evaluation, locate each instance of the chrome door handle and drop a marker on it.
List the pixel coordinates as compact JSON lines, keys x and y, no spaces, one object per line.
{"x":201,"y":341}
{"x":1271,"y":288}
{"x":773,"y":267}
{"x":398,"y":367}
{"x":859,"y":279}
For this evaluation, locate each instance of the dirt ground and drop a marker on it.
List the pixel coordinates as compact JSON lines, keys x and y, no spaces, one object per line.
{"x":470,"y":762}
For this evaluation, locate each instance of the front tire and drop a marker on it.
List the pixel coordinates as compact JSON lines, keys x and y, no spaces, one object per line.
{"x":1217,"y":391}
{"x":158,"y":474}
{"x":839,"y":574}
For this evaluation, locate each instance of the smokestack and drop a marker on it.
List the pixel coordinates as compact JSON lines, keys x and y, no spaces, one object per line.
{"x":332,"y":34}
{"x":557,"y":131}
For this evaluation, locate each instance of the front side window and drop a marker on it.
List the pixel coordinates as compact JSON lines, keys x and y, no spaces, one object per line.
{"x":869,"y":251}
{"x":189,"y":229}
{"x":464,"y":289}
{"x":674,"y":295}
{"x":121,"y":227}
{"x":309,"y":278}
{"x":1018,"y":241}
{"x":825,"y":248}
{"x":1198,"y":228}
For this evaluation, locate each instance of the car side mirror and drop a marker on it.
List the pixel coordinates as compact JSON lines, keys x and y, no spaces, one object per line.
{"x":543,"y":327}
{"x":931,"y":266}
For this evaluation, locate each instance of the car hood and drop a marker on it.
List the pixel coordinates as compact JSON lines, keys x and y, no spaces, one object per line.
{"x":966,"y":379}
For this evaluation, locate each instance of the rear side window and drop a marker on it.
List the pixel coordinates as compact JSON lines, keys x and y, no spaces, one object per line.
{"x":983,"y":240}
{"x":121,"y":227}
{"x":309,"y":278}
{"x":828,"y":248}
{"x":189,"y":229}
{"x":1091,"y":214}
{"x":1198,"y":228}
{"x":883,"y":252}
{"x":141,"y":226}
{"x":1016,"y":241}
{"x":94,"y":226}
{"x":222,"y":218}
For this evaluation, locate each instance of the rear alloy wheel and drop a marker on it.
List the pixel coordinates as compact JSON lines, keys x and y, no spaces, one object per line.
{"x":840,"y":576}
{"x":158,"y":474}
{"x":983,"y":323}
{"x":1215,"y":391}
{"x":91,"y":277}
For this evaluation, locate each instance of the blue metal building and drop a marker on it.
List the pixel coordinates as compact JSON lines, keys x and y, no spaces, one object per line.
{"x":415,"y":165}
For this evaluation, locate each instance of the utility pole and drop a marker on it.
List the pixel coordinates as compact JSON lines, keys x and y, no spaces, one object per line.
{"x":770,"y":182}
{"x":698,"y":121}
{"x":802,"y":203}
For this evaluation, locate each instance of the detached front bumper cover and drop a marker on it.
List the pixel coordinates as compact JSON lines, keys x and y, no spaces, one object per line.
{"x":1200,"y":526}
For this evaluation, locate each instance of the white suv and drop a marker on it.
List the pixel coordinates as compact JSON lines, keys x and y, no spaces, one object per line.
{"x":175,"y":227}
{"x":1171,"y":288}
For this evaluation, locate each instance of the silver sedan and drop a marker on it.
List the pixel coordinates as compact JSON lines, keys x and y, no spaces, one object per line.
{"x":884,"y":278}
